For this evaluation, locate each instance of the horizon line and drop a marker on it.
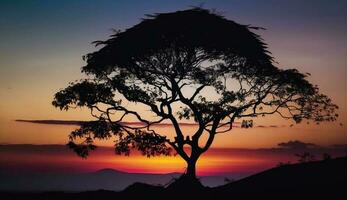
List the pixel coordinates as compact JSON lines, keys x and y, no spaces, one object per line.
{"x":332,"y":146}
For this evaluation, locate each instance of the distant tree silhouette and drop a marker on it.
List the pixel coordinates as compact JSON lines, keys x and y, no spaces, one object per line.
{"x":326,"y":156}
{"x":281,"y":164}
{"x":229,"y":180}
{"x":305,"y":157}
{"x":186,"y":65}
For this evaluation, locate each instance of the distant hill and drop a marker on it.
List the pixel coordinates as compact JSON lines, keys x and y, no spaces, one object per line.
{"x":105,"y":179}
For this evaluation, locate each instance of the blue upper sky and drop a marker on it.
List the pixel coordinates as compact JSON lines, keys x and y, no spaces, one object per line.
{"x":41,"y":24}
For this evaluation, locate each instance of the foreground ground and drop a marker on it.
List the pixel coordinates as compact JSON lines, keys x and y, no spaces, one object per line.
{"x":321,"y":179}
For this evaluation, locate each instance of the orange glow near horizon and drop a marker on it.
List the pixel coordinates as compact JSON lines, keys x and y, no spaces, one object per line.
{"x":216,"y":161}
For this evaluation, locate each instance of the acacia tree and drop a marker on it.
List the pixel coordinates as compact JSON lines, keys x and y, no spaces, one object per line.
{"x":186,"y":65}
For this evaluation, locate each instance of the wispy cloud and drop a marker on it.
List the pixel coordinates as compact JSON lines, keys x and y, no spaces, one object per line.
{"x":52,"y":122}
{"x":342,"y":146}
{"x":78,"y":123}
{"x":296,"y":144}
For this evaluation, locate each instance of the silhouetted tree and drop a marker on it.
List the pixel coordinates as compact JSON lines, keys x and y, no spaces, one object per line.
{"x":326,"y":156}
{"x":228,"y":180}
{"x":305,"y":157}
{"x":186,"y":65}
{"x":281,"y":164}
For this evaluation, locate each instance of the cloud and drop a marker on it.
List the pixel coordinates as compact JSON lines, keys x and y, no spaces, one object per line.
{"x":339,"y":146}
{"x":296,"y":144}
{"x":273,"y":126}
{"x":261,"y":126}
{"x":78,"y":123}
{"x":269,"y":126}
{"x":52,"y":122}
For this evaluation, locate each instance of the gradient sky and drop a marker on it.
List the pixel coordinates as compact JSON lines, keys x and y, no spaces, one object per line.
{"x":42,"y":43}
{"x":217,"y":161}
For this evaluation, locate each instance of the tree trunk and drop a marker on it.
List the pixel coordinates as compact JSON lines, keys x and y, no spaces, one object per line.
{"x":191,"y":163}
{"x":191,"y":168}
{"x":188,"y":181}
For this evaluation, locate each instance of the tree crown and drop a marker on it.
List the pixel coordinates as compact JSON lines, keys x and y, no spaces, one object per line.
{"x":213,"y":69}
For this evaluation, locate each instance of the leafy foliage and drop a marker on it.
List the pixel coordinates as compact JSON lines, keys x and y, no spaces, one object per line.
{"x":83,"y":93}
{"x":150,"y":144}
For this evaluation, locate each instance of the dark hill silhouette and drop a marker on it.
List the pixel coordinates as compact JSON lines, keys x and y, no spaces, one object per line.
{"x":108,"y":171}
{"x":317,"y":179}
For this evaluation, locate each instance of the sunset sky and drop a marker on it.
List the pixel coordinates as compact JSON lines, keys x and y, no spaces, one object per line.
{"x":42,"y":44}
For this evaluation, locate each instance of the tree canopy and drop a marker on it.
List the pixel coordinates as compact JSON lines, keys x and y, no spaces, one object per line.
{"x":215,"y":69}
